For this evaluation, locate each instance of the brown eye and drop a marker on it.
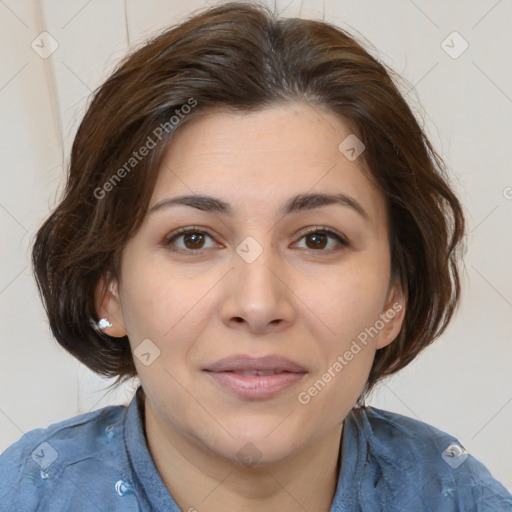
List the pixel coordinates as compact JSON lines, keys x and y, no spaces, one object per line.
{"x":318,"y":239}
{"x":192,"y":240}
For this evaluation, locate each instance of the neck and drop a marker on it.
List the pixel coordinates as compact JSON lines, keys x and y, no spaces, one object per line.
{"x":199,"y":479}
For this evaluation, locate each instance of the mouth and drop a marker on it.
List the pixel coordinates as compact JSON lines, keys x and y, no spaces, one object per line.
{"x":255,"y":378}
{"x":240,"y":363}
{"x":257,"y":372}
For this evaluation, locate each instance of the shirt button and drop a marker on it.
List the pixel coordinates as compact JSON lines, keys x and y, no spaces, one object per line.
{"x":110,"y":432}
{"x":122,"y":487}
{"x":448,"y":492}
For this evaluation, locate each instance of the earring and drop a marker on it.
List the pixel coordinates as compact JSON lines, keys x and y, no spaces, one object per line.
{"x":104,"y":323}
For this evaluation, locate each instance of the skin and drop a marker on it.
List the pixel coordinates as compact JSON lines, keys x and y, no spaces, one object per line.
{"x":295,"y":300}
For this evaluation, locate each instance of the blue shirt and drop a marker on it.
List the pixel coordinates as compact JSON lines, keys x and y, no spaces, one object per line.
{"x":99,"y":461}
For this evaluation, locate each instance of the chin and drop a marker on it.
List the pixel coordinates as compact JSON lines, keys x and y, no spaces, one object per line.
{"x":254,"y":445}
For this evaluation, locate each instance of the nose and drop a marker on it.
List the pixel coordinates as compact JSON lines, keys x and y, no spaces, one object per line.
{"x":260,"y":299}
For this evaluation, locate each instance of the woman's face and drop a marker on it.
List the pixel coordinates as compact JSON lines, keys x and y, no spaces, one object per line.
{"x":249,"y":281}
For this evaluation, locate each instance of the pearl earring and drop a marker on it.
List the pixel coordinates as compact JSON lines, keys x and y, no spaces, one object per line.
{"x":104,"y":323}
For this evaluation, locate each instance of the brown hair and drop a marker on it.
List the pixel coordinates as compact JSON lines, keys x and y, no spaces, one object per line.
{"x":242,"y":57}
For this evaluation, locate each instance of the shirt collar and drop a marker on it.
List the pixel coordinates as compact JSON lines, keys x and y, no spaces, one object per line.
{"x":147,"y":481}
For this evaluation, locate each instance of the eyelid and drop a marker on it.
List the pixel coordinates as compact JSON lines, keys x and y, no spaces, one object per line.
{"x":183,"y":231}
{"x":328,"y":231}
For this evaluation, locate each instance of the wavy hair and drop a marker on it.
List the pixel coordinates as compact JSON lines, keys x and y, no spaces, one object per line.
{"x":242,"y":57}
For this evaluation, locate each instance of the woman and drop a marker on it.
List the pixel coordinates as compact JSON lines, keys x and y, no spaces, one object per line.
{"x":257,"y":228}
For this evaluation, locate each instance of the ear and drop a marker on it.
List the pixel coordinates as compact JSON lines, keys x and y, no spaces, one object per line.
{"x":392,"y":315}
{"x":108,"y":305}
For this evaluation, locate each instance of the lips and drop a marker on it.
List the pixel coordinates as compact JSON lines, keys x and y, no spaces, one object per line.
{"x":245,"y":364}
{"x":253,"y":378}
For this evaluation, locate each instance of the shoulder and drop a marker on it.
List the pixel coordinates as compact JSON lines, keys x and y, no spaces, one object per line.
{"x":393,"y":428}
{"x":432,"y":464}
{"x":61,"y":460}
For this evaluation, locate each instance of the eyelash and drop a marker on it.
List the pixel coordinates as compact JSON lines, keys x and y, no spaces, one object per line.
{"x":196,"y":230}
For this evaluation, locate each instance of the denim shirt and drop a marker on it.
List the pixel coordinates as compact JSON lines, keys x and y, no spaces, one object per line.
{"x":99,"y":461}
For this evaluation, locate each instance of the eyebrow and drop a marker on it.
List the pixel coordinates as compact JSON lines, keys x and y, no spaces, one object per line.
{"x":296,"y":204}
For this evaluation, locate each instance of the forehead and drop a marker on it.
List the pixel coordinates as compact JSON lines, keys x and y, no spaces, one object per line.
{"x":267,"y":156}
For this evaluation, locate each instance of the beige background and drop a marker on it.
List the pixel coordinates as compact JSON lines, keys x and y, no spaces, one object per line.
{"x":461,"y":384}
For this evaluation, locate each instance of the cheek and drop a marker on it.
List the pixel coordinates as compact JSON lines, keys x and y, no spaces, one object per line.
{"x":155,"y":300}
{"x":349,"y":302}
{"x":345,"y":345}
{"x":169,"y":309}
